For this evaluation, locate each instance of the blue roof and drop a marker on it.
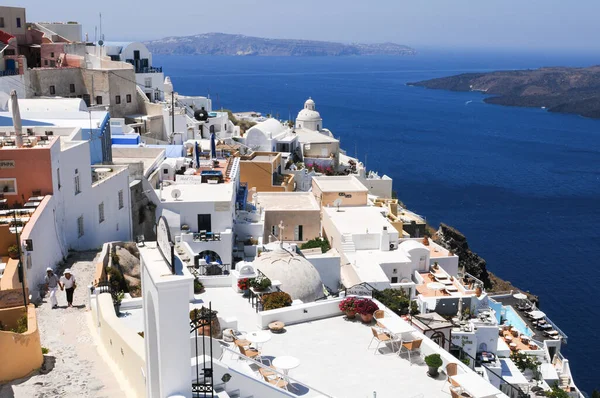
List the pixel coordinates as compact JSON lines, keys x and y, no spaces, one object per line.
{"x":7,"y":121}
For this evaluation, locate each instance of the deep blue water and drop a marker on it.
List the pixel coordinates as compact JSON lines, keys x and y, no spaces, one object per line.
{"x":522,"y":184}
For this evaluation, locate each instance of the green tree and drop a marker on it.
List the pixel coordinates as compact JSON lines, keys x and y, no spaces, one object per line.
{"x":317,"y":242}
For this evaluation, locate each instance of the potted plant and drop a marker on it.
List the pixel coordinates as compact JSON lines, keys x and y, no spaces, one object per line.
{"x":348,"y":306}
{"x":13,"y":252}
{"x":261,"y":283}
{"x":366,"y":307}
{"x":117,"y":299}
{"x":198,"y":286}
{"x":200,"y":316}
{"x":434,"y":361}
{"x":244,"y":285}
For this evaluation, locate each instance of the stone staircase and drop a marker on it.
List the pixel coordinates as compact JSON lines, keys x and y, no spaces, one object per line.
{"x":348,"y":244}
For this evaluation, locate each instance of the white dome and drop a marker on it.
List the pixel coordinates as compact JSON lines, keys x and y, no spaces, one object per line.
{"x":298,"y":277}
{"x":309,"y":104}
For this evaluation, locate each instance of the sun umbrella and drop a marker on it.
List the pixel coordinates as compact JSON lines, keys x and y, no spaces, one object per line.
{"x":435,"y":286}
{"x":213,"y":146}
{"x":460,"y":305}
{"x":537,"y":314}
{"x":197,"y":152}
{"x":520,"y":296}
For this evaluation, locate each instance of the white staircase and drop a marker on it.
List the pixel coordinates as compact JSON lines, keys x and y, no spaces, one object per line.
{"x":348,"y":244}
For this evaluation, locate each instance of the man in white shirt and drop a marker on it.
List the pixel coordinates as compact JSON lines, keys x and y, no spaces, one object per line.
{"x":67,"y":282}
{"x":52,"y":284}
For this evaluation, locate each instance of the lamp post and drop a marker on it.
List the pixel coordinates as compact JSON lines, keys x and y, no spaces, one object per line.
{"x":20,"y":266}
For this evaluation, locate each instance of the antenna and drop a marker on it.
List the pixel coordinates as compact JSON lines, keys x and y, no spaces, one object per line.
{"x":101,"y":37}
{"x":176,"y":194}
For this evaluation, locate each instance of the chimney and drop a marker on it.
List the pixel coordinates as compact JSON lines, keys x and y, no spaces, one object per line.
{"x":16,"y":116}
{"x":385,"y":240}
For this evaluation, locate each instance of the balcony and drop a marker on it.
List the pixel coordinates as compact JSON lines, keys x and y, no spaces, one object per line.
{"x":149,"y":69}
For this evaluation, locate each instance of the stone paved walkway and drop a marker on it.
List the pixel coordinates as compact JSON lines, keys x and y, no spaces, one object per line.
{"x":78,"y":372}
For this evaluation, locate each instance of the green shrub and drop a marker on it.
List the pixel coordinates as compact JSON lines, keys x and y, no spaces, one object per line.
{"x":396,"y":300}
{"x":434,"y":360}
{"x":117,"y":281}
{"x":45,"y":350}
{"x":198,"y":286}
{"x":275,"y":300}
{"x":21,"y":324}
{"x":557,"y":393}
{"x":317,"y":242}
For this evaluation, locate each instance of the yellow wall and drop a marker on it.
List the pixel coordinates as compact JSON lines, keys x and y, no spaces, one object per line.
{"x":124,"y":346}
{"x":24,"y":350}
{"x":357,"y":199}
{"x":259,"y":174}
{"x":10,"y":279}
{"x":309,"y":219}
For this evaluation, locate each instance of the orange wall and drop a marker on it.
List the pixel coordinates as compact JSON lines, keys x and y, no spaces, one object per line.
{"x":33,"y":171}
{"x":24,"y":350}
{"x":10,"y":278}
{"x":6,"y":239}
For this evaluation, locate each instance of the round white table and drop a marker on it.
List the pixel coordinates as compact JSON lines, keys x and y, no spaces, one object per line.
{"x":286,"y":363}
{"x":259,"y":337}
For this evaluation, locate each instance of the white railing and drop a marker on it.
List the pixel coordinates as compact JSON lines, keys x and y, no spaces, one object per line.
{"x":279,"y":374}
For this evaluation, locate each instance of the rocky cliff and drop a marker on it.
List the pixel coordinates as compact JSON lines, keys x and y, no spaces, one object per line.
{"x":558,"y":89}
{"x":456,"y":242}
{"x":240,"y":45}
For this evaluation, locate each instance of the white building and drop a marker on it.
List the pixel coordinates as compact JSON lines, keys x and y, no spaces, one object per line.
{"x":372,"y":250}
{"x":148,"y":77}
{"x":200,"y":207}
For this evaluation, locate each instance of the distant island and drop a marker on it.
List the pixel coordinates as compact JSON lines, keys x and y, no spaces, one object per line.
{"x":558,"y":89}
{"x":240,"y":45}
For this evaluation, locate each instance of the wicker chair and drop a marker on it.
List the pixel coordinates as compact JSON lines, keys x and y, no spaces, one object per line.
{"x":276,"y":381}
{"x":381,"y":338}
{"x":411,"y":346}
{"x":451,"y":370}
{"x":378,"y":315}
{"x":249,"y":352}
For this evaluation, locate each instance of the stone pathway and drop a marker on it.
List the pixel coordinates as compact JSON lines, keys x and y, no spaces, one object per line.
{"x":77,"y":370}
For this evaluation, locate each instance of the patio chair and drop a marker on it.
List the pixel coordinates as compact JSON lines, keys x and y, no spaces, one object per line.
{"x":451,"y":370}
{"x":249,"y":352}
{"x":410,"y":347}
{"x":381,"y":338}
{"x":266,"y":372}
{"x":378,"y":315}
{"x":276,"y":381}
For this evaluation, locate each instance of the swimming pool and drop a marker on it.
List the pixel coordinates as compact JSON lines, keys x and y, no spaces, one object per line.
{"x":513,"y":319}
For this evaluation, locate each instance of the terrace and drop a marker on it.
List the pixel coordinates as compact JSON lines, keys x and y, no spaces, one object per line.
{"x":323,"y":341}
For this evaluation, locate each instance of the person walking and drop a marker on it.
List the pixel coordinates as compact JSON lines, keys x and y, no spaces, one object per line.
{"x":52,"y":284}
{"x":67,"y":282}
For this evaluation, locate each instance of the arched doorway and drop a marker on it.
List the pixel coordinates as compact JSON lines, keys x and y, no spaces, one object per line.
{"x":214,"y":265}
{"x":439,"y":338}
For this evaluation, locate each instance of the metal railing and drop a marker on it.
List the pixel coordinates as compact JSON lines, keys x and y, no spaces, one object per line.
{"x":9,"y":72}
{"x":149,"y":69}
{"x":278,"y":373}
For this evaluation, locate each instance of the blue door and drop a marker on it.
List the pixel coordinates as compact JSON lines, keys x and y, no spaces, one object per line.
{"x":10,"y":64}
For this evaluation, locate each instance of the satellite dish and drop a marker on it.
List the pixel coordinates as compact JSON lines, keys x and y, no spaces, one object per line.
{"x":337,"y":203}
{"x":100,"y":42}
{"x":176,"y":194}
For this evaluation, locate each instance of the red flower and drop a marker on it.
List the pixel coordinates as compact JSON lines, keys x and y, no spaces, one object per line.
{"x":366,"y":307}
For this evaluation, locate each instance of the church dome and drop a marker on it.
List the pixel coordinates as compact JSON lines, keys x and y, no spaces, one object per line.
{"x":308,"y":118}
{"x":298,"y":277}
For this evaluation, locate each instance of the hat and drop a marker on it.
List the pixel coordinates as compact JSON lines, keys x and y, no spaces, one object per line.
{"x":67,"y":271}
{"x":48,"y":269}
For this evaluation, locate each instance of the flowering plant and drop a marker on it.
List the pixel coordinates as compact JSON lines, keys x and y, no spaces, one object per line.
{"x":348,"y":304}
{"x":244,"y":284}
{"x":366,"y":307}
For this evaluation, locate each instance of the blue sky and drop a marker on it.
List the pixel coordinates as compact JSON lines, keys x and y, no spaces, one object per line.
{"x":526,"y":24}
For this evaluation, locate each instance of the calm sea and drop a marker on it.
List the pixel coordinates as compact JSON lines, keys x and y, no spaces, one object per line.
{"x":522,"y":184}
